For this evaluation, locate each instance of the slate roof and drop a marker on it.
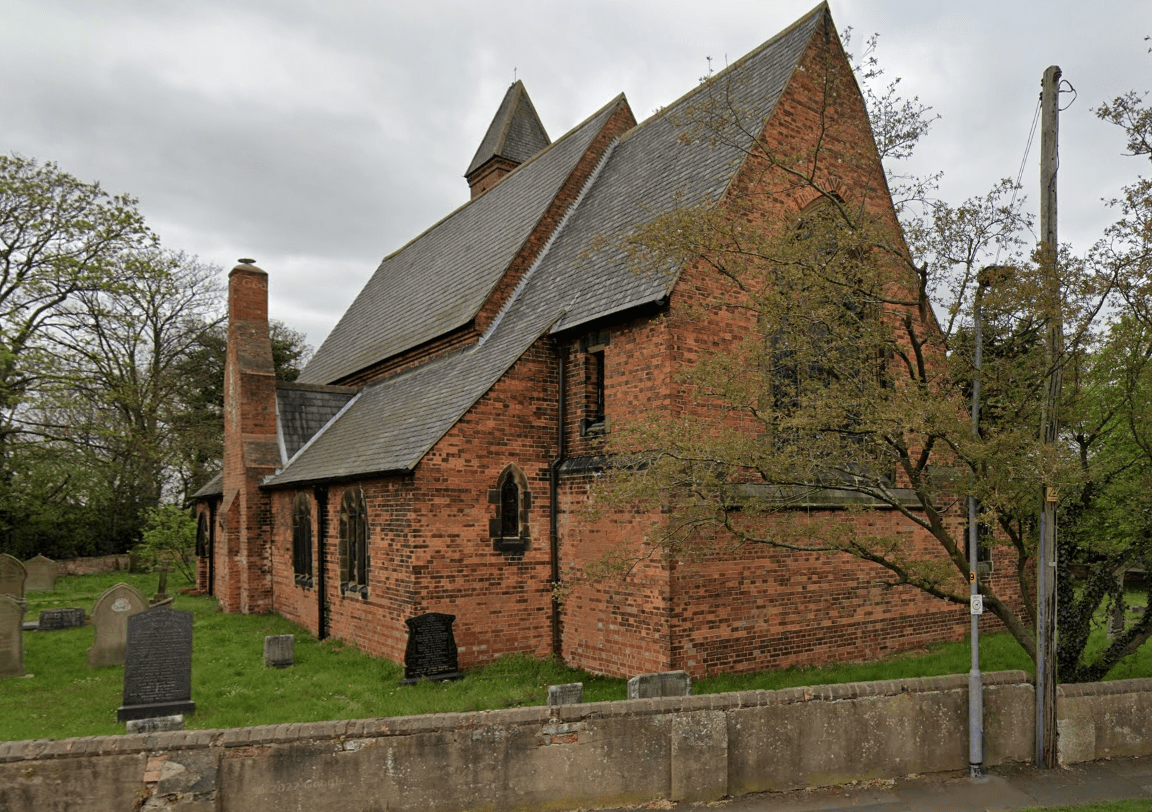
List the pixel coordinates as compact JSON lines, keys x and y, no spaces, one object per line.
{"x":437,"y":282}
{"x":515,"y":132}
{"x":213,"y":487}
{"x":391,"y":425}
{"x":304,"y":409}
{"x":653,"y":171}
{"x":584,"y":274}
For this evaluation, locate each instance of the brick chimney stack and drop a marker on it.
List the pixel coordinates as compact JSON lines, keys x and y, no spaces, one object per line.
{"x":251,"y":451}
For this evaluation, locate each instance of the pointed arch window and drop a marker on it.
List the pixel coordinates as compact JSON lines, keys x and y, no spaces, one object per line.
{"x":302,"y":539}
{"x":353,"y":543}
{"x":512,"y":500}
{"x":202,"y":536}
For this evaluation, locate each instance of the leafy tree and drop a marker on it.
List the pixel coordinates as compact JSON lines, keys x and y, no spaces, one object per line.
{"x":59,"y":237}
{"x":850,"y":383}
{"x":170,"y":537}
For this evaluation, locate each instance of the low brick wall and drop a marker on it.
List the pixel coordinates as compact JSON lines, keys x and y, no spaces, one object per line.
{"x":608,"y":753}
{"x":87,"y":566}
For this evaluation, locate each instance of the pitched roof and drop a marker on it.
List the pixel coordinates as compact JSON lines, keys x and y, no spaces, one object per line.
{"x":303,"y":409}
{"x":515,"y":132}
{"x":658,"y":166}
{"x":437,"y":282}
{"x":391,"y":425}
{"x":583,"y":274}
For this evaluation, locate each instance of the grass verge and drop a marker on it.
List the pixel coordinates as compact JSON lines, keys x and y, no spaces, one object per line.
{"x":334,"y":680}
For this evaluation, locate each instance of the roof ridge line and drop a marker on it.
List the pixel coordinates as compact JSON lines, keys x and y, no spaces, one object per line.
{"x":666,"y":109}
{"x":530,"y":161}
{"x":551,"y":239}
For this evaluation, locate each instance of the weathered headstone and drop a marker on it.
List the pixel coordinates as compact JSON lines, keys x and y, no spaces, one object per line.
{"x":161,"y":595}
{"x":664,"y":683}
{"x":110,"y":619}
{"x":571,"y":693}
{"x":279,"y":650}
{"x":12,"y":577}
{"x":60,"y":618}
{"x":156,"y":724}
{"x":11,"y":637}
{"x":42,"y":573}
{"x":158,"y":665}
{"x":431,"y":650}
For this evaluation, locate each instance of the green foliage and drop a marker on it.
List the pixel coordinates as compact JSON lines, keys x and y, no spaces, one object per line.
{"x":170,"y":537}
{"x":849,"y":380}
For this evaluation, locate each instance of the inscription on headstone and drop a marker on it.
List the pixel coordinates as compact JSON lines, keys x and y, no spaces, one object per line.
{"x":665,"y":683}
{"x":570,"y":694}
{"x":110,"y":619}
{"x":12,"y":576}
{"x":11,"y":637}
{"x":155,"y":724}
{"x":42,"y":574}
{"x":61,"y":618}
{"x":279,"y":650}
{"x":158,"y":665}
{"x":431,"y":651}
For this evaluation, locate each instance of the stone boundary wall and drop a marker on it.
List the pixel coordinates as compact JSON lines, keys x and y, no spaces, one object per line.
{"x":608,"y":753}
{"x":87,"y":566}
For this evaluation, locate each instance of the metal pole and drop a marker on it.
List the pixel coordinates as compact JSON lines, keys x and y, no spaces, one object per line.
{"x":1045,"y":554}
{"x":975,"y":679}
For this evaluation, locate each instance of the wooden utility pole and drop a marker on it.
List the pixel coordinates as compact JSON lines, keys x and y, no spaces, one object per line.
{"x":1046,"y":552}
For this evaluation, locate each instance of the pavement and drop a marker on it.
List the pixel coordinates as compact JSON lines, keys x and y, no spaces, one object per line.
{"x":1007,"y":787}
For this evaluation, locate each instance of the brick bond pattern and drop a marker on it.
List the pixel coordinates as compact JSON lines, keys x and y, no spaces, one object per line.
{"x":429,"y":545}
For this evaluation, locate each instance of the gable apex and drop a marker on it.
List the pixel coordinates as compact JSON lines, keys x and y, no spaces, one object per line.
{"x":515,"y":135}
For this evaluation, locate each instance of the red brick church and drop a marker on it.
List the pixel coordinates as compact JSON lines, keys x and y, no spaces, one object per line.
{"x":438,"y":450}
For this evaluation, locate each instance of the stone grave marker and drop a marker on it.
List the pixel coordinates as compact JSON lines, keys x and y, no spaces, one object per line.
{"x":279,"y":650}
{"x":60,"y":618}
{"x":12,"y":577}
{"x":571,"y":693}
{"x":158,"y":665}
{"x":665,"y":683}
{"x":42,"y":574}
{"x":431,"y":650}
{"x":156,"y":724}
{"x":110,"y":619}
{"x":161,"y":595}
{"x":11,"y":637}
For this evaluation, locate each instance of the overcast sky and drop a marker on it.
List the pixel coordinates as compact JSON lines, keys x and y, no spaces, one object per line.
{"x":317,"y":137}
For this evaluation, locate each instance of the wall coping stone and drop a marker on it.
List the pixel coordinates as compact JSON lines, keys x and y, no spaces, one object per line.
{"x":132,"y":743}
{"x":1120,"y":686}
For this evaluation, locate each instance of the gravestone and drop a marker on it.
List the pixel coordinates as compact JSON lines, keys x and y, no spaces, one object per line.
{"x":158,"y":665}
{"x":42,"y":574}
{"x":431,"y":651}
{"x":279,"y":650}
{"x":665,"y":683}
{"x":156,"y":724}
{"x":11,"y":637}
{"x":571,"y":693}
{"x":110,"y":619}
{"x":12,"y":577}
{"x":161,"y":595}
{"x":61,"y":618}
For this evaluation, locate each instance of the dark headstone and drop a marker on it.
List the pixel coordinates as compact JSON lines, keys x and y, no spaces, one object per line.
{"x":11,"y":637}
{"x":62,"y":618}
{"x":569,"y":694}
{"x":279,"y":650}
{"x":158,"y":665}
{"x":431,"y":650}
{"x":665,"y":683}
{"x":156,"y":724}
{"x":42,"y":572}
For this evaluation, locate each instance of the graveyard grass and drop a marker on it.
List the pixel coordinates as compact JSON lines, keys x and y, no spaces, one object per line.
{"x":62,"y":697}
